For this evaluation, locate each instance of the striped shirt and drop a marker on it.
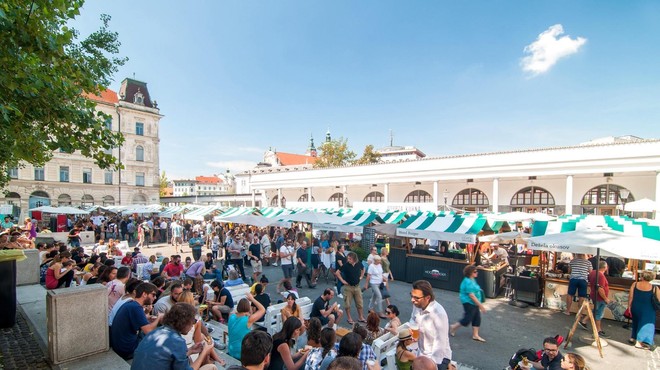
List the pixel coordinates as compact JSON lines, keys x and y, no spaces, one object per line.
{"x":580,"y":268}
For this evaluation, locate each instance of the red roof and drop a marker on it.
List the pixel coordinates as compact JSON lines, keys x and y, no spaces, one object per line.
{"x":108,"y":96}
{"x":289,"y":159}
{"x":208,"y":179}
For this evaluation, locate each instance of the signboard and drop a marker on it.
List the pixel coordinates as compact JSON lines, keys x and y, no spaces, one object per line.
{"x":436,"y":273}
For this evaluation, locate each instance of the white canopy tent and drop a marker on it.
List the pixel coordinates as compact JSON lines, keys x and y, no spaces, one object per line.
{"x":642,"y":205}
{"x":588,"y":241}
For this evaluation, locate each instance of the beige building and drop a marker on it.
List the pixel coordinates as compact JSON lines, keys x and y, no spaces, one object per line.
{"x":72,"y":179}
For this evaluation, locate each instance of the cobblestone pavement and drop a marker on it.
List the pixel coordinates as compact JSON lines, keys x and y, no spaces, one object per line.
{"x":19,"y":348}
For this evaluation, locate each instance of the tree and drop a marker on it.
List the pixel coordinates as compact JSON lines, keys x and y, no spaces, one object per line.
{"x":46,"y":74}
{"x":163,"y":183}
{"x":368,"y":156}
{"x":334,"y":153}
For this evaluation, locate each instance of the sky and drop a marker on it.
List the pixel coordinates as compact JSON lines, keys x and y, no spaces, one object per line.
{"x":235,"y":78}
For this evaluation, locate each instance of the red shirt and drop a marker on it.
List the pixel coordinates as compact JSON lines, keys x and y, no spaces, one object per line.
{"x":127,"y":261}
{"x":602,"y":283}
{"x":173,"y":270}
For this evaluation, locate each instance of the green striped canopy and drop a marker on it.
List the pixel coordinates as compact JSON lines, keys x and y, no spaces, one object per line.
{"x":449,"y":228}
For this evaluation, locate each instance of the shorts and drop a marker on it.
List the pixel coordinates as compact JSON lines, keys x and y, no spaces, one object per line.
{"x":288,"y":271}
{"x":599,"y":310}
{"x":324,"y":320}
{"x":257,"y":266}
{"x":315,"y":261}
{"x":579,"y":285}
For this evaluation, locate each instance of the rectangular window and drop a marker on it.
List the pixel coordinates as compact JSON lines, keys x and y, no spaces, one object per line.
{"x":38,"y":174}
{"x":108,"y":177}
{"x":13,"y":172}
{"x":139,"y":128}
{"x":87,"y":175}
{"x":108,"y":123}
{"x":64,"y":173}
{"x":139,"y":179}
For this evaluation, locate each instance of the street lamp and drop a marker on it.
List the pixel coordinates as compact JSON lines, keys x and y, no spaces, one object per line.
{"x":445,"y":195}
{"x":623,"y":195}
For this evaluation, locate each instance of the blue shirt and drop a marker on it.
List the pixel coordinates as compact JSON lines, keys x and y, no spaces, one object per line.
{"x":196,"y":242}
{"x":469,"y":286}
{"x":237,"y":328}
{"x":128,"y":321}
{"x":163,"y":348}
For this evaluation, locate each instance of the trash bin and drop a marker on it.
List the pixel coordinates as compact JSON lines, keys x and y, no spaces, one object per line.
{"x":7,"y":294}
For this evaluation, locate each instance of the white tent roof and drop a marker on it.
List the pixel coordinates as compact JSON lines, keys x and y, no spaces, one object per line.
{"x":589,"y":240}
{"x":642,"y":205}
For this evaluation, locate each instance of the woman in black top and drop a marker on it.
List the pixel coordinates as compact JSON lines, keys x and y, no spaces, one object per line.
{"x":281,"y":357}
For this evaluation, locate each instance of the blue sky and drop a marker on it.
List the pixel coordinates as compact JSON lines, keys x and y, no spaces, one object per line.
{"x":234,"y":78}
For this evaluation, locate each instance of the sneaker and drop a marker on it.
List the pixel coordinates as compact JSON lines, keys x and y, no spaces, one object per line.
{"x":340,"y":296}
{"x":583,"y":325}
{"x":275,"y":264}
{"x":603,"y":334}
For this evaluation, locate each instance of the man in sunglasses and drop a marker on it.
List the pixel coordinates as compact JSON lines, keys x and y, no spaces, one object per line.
{"x":432,"y":321}
{"x":551,"y":359}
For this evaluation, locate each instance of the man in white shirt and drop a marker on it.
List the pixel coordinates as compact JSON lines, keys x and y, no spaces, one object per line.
{"x":433,"y":323}
{"x":286,"y":258}
{"x":265,"y":248}
{"x":499,"y":254}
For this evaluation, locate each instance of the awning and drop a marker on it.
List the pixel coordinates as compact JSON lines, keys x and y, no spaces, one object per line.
{"x":449,"y":228}
{"x":199,"y":213}
{"x":588,"y":241}
{"x":642,"y":205}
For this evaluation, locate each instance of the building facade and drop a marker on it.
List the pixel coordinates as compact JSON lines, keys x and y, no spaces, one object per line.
{"x":72,"y":179}
{"x":592,"y":178}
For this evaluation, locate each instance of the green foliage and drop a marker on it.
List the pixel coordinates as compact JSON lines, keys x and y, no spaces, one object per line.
{"x":162,"y":183}
{"x":335,"y":153}
{"x":368,"y":156}
{"x":46,"y":72}
{"x":361,"y":253}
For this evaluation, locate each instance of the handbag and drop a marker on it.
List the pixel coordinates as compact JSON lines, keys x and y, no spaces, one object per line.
{"x":656,"y":302}
{"x":627,"y":314}
{"x":383,"y":291}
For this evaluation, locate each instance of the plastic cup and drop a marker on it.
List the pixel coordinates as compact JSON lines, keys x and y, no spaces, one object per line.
{"x":414,"y":331}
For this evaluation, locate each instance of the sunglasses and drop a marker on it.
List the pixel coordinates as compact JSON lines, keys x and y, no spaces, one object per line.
{"x":388,"y":312}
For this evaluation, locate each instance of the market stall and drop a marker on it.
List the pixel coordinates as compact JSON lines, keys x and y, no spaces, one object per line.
{"x":444,"y":269}
{"x":585,"y":238}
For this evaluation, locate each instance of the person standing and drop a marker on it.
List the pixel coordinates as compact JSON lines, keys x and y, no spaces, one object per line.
{"x":374,"y":280}
{"x":254,"y":256}
{"x":286,"y":253}
{"x":598,"y":296}
{"x":340,"y":260}
{"x":350,"y":275}
{"x":640,"y":302}
{"x":304,"y":264}
{"x":265,"y":248}
{"x":387,"y":272}
{"x":432,"y":322}
{"x":196,"y":244}
{"x":471,"y":296}
{"x":580,"y":268}
{"x":235,"y":249}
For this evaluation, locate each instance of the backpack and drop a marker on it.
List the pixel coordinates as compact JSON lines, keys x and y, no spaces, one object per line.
{"x":530,"y":353}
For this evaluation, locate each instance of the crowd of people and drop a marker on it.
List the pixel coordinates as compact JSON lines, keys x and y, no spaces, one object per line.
{"x":157,"y":305}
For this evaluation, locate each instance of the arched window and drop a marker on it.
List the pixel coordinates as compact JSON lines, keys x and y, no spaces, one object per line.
{"x":418,"y":196}
{"x":304,"y":197}
{"x":38,"y":198}
{"x":273,"y":202}
{"x":533,"y":199}
{"x":108,"y":200}
{"x":470,"y":197}
{"x":64,"y":200}
{"x":87,"y":200}
{"x":139,"y":199}
{"x":139,"y":153}
{"x":603,"y":199}
{"x":337,"y":197}
{"x":374,"y":197}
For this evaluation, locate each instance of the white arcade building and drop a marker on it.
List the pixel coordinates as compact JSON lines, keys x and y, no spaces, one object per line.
{"x":592,"y":178}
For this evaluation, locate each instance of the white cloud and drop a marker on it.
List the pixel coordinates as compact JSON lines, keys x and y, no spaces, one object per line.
{"x":548,"y":48}
{"x":234,"y":166}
